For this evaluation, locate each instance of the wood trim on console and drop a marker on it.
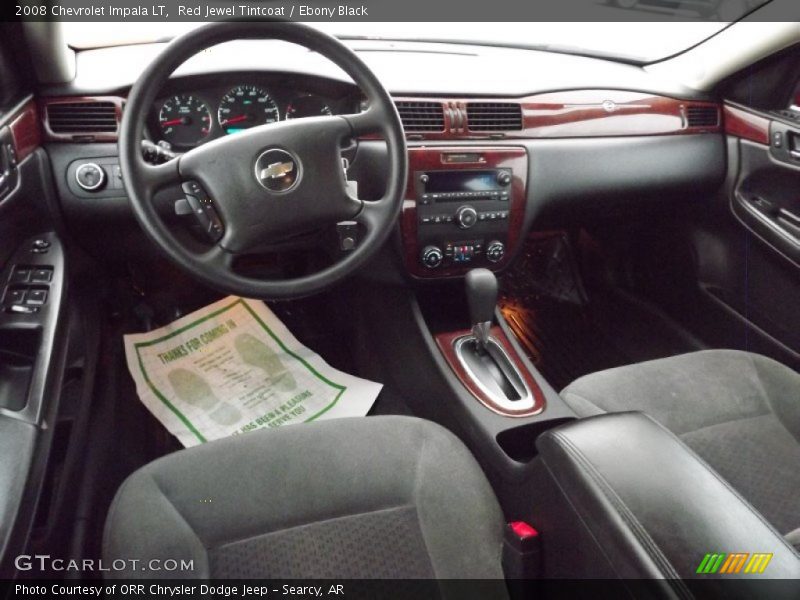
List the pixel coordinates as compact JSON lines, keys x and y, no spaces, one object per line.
{"x":25,"y":131}
{"x":746,"y":125}
{"x":423,"y":159}
{"x":51,"y":136}
{"x":575,"y":113}
{"x":445,"y":342}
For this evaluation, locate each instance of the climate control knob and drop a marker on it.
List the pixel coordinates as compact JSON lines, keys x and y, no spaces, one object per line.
{"x":504,"y":178}
{"x":466,"y":217}
{"x":432,"y":256}
{"x":495,"y":251}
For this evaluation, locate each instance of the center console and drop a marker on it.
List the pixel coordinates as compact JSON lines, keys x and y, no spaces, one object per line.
{"x":464,"y":208}
{"x":618,"y":496}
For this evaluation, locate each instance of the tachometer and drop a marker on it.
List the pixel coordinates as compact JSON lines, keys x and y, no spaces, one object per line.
{"x":307,"y":106}
{"x":184,"y":120}
{"x":246,"y":106}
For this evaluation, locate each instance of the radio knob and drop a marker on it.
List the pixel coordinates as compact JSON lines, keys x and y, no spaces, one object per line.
{"x":432,"y":256}
{"x":466,"y":217}
{"x":504,"y":178}
{"x":495,"y":251}
{"x":424,"y":178}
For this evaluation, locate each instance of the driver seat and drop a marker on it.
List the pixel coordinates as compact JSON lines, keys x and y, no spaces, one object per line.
{"x":363,"y":498}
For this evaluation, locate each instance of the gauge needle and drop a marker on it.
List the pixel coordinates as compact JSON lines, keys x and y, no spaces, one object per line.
{"x":235,"y":119}
{"x":172,"y":122}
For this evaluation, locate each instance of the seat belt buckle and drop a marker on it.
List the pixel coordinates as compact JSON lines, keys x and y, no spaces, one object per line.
{"x":522,"y":551}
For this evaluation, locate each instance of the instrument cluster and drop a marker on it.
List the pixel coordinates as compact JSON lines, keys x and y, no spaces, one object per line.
{"x":186,"y":119}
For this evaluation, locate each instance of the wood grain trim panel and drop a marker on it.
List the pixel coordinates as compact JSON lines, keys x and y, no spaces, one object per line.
{"x":746,"y":125}
{"x":445,"y":342}
{"x":425,"y":159}
{"x":26,"y":131}
{"x":575,"y":113}
{"x":50,"y":136}
{"x":595,"y":113}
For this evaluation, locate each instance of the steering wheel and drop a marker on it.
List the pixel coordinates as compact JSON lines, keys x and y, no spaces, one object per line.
{"x":267,"y":182}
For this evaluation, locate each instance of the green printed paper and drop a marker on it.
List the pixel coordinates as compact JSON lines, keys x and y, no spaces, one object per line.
{"x":233,"y":367}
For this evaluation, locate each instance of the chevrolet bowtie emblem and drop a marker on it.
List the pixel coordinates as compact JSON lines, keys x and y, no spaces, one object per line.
{"x":277,"y":170}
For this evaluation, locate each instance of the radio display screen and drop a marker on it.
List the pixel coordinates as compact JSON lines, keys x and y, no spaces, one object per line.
{"x":461,"y":181}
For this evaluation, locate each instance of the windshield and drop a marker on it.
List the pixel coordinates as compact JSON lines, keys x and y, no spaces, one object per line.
{"x":638,"y":41}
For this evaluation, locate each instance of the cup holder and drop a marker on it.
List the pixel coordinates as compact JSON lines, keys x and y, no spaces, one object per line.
{"x":519,"y":443}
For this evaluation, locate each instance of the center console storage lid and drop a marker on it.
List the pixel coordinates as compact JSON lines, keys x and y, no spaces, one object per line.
{"x":646,"y":506}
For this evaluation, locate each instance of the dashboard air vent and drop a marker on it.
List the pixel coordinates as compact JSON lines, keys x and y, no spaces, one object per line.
{"x":82,"y":117}
{"x":494,"y":116}
{"x":702,"y":116}
{"x":421,"y":116}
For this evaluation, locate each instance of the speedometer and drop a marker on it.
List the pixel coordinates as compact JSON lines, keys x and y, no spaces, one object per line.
{"x":185,"y":120}
{"x":246,"y":106}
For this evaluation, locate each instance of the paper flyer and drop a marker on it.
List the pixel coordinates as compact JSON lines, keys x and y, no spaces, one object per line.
{"x":233,"y":367}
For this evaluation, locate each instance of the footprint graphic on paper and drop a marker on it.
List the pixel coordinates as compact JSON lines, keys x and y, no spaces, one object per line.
{"x":257,"y":354}
{"x":194,"y":390}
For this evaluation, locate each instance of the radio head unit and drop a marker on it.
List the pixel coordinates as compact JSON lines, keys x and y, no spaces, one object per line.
{"x":451,"y":202}
{"x":454,"y":186}
{"x":465,"y":213}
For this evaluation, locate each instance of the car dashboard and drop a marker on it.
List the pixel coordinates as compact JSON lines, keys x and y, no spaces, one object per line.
{"x":565,"y":133}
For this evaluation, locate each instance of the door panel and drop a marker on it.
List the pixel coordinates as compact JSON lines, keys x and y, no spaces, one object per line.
{"x":22,"y":176}
{"x":749,"y":260}
{"x":766,"y":198}
{"x":34,"y":325}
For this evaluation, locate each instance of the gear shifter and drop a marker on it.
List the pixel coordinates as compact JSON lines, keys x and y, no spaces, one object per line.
{"x":482,"y":298}
{"x":482,"y":357}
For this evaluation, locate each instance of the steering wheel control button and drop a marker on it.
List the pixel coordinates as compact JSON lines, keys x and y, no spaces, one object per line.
{"x":194,"y":188}
{"x":277,"y":170}
{"x":432,"y":257}
{"x":348,"y":235}
{"x":214,"y":228}
{"x":90,"y":177}
{"x":466,"y":217}
{"x":182,"y":207}
{"x":201,"y":206}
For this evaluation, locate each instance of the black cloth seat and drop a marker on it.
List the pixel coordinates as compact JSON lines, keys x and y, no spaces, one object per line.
{"x":376,"y":497}
{"x":738,"y":411}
